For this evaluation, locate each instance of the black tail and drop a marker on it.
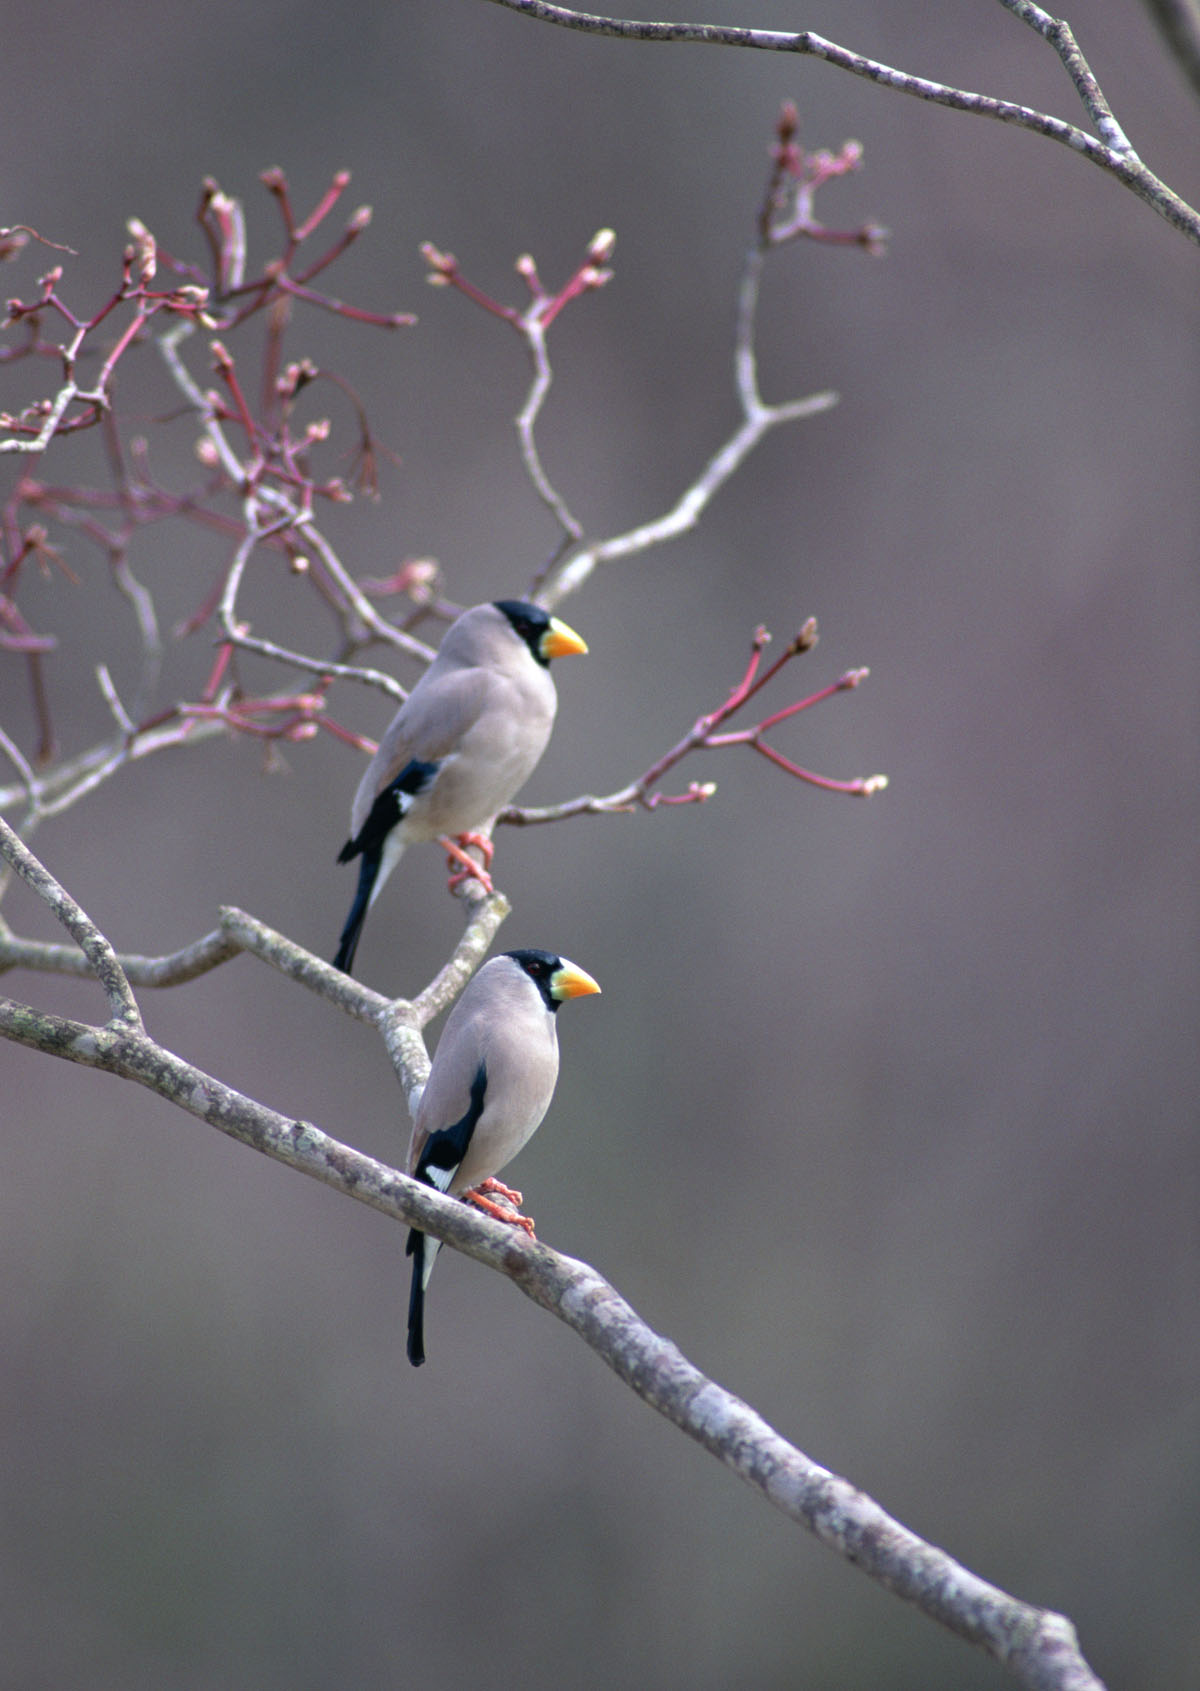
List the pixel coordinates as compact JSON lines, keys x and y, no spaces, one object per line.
{"x":390,"y":807}
{"x":416,"y":1299}
{"x":367,"y":874}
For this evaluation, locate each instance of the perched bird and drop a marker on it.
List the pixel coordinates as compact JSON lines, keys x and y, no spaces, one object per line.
{"x":491,"y":1082}
{"x":467,"y":737}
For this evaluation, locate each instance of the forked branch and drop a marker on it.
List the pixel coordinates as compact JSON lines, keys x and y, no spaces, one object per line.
{"x":646,"y":793}
{"x":786,"y":215}
{"x":1039,"y":1647}
{"x":1108,"y":149}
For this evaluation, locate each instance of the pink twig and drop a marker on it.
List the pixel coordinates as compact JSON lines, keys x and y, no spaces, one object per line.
{"x":359,"y":221}
{"x":347,"y":735}
{"x":532,"y":325}
{"x":300,"y":719}
{"x":225,"y":369}
{"x":444,"y":273}
{"x":355,"y":313}
{"x":645,"y":791}
{"x":787,"y":211}
{"x":852,"y":678}
{"x":258,"y":452}
{"x":217,"y":674}
{"x":544,"y":306}
{"x":332,"y":194}
{"x":590,"y":275}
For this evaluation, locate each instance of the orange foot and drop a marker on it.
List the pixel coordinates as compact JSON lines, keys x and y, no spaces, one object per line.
{"x":470,"y":871}
{"x":486,"y":845}
{"x":491,"y":1184}
{"x":497,"y":1211}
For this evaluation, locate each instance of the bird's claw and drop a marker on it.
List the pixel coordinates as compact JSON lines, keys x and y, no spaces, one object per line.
{"x":483,"y":841}
{"x":498,"y":1212}
{"x":491,"y":1184}
{"x":470,"y":870}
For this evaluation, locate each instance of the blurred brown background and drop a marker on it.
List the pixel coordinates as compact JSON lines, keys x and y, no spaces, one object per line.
{"x":888,"y":1112}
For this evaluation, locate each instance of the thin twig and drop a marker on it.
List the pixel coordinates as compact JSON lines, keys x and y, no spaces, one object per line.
{"x":566,"y":573}
{"x":1059,"y":34}
{"x":532,"y":325}
{"x":645,"y":791}
{"x":174,"y":969}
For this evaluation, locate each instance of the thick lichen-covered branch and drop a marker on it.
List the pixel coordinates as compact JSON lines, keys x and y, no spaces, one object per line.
{"x":1037,"y":1646}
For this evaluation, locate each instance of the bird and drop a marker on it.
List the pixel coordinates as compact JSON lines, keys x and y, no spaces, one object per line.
{"x":490,"y":1084}
{"x":466,"y":738}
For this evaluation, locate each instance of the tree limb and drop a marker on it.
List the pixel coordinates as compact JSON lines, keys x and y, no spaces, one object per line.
{"x":100,"y":958}
{"x":1038,"y":1647}
{"x":399,"y":1021}
{"x":1112,"y":153}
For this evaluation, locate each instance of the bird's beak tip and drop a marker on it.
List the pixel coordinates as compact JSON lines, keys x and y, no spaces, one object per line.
{"x":559,"y":641}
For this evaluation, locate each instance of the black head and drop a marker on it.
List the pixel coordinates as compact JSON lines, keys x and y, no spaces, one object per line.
{"x":555,"y":977}
{"x":541,"y":967}
{"x":531,"y":622}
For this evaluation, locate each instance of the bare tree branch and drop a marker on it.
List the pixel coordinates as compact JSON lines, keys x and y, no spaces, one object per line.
{"x":786,"y":215}
{"x":175,"y":969}
{"x":1059,"y":34}
{"x":1037,"y":1646}
{"x":400,"y":1023}
{"x":268,"y":472}
{"x":270,"y":511}
{"x":1111,"y":153}
{"x":255,"y":457}
{"x":792,"y":185}
{"x":645,"y":791}
{"x":100,"y":957}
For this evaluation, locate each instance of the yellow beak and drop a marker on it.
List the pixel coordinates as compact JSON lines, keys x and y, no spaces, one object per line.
{"x":559,"y":641}
{"x":570,"y":981}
